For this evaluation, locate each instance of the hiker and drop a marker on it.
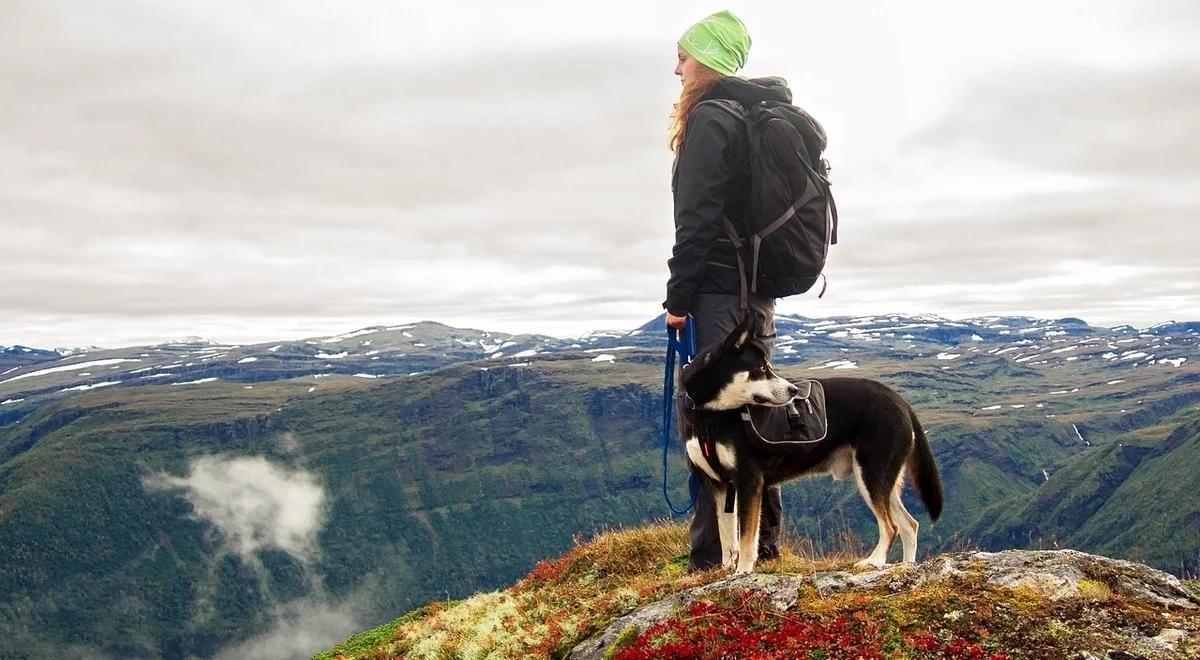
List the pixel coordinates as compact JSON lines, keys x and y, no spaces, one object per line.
{"x":708,"y":183}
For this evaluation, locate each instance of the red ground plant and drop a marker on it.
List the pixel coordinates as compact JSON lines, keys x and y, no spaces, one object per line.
{"x":744,"y":625}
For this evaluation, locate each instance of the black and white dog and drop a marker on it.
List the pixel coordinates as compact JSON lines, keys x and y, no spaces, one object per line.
{"x":872,"y":434}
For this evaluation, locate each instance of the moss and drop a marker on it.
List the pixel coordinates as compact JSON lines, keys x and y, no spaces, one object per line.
{"x":1193,"y":589}
{"x":676,"y":567}
{"x":1094,"y":590}
{"x":624,"y":640}
{"x":373,"y":638}
{"x":1057,"y":630}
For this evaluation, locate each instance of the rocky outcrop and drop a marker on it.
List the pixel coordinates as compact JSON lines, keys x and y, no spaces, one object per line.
{"x":1052,"y":576}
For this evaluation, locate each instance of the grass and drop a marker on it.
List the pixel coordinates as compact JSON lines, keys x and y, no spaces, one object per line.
{"x":558,"y":603}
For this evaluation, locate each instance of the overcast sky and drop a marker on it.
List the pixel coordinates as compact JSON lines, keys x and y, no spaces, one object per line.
{"x":250,"y":171}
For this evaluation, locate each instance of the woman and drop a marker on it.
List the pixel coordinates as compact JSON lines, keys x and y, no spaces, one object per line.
{"x":710,"y":182}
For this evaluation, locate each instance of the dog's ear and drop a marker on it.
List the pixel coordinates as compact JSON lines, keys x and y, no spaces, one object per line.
{"x":745,"y":329}
{"x":700,"y":359}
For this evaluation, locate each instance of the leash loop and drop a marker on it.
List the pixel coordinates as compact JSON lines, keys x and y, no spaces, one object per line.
{"x":685,"y":347}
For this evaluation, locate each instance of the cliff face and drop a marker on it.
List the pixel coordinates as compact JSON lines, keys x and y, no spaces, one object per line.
{"x":626,"y":595}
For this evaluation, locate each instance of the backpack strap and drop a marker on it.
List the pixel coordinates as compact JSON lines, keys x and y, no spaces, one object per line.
{"x":757,"y":239}
{"x":832,"y":215}
{"x":728,"y":105}
{"x":737,"y":110}
{"x":731,"y":232}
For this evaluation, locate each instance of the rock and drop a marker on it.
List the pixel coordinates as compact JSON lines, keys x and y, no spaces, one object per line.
{"x":1045,"y":574}
{"x":1053,"y":574}
{"x":781,"y":590}
{"x":594,"y":647}
{"x":1166,"y":641}
{"x":1056,"y":575}
{"x":833,"y":581}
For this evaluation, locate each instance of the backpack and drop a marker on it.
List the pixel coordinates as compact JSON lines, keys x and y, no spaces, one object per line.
{"x":791,"y":218}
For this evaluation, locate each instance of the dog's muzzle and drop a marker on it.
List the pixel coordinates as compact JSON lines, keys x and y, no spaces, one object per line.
{"x":791,"y":390}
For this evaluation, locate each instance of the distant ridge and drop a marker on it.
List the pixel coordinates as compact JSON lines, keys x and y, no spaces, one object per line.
{"x":392,"y":351}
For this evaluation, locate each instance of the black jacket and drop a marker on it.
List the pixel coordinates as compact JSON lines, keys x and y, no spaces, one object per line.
{"x":710,"y":181}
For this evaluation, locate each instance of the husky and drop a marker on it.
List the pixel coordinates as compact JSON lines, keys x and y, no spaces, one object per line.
{"x":872,"y":434}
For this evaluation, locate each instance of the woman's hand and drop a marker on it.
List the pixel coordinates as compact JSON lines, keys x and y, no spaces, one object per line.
{"x":677,"y":322}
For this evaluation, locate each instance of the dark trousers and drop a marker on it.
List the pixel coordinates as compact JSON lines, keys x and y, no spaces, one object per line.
{"x":715,"y":316}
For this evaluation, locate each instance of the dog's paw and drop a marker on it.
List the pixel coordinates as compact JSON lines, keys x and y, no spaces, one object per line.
{"x":731,"y":559}
{"x":870,"y":563}
{"x":746,"y":565}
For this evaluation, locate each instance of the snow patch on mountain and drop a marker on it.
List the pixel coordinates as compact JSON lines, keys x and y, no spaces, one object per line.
{"x":90,"y":387}
{"x":349,"y":335}
{"x":837,"y":364}
{"x":69,"y":367}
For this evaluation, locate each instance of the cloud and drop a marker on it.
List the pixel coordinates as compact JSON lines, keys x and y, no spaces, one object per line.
{"x":300,"y":628}
{"x":1103,"y":254}
{"x":253,"y":504}
{"x":250,"y":186}
{"x":248,"y":169}
{"x":1131,"y":124}
{"x":256,"y":505}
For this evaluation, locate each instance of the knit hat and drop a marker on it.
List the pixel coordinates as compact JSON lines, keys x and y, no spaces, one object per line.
{"x":719,"y":42}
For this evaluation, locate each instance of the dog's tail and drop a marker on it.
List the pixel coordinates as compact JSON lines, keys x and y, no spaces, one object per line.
{"x":923,"y":471}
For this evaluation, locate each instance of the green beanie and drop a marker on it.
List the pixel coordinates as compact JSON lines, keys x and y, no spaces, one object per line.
{"x":719,"y":42}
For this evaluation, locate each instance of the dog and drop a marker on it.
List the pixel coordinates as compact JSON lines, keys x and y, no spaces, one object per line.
{"x":872,"y":434}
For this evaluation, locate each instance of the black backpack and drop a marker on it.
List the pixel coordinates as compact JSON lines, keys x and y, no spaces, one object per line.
{"x":791,"y":218}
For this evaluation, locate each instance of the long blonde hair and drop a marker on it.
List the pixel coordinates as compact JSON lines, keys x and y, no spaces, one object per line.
{"x":688,"y":98}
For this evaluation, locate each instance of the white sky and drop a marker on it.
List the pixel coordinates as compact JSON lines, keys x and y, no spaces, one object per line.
{"x":251,"y":171}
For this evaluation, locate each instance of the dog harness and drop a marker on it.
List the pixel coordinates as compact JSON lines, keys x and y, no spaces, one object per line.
{"x":708,"y":448}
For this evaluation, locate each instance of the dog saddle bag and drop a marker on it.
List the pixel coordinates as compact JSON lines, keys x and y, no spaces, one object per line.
{"x":768,"y":429}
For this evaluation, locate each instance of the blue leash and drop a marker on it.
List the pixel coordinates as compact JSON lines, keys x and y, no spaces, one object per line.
{"x":685,"y":347}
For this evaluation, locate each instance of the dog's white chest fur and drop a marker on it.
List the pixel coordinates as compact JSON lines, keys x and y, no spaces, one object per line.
{"x":725,"y":457}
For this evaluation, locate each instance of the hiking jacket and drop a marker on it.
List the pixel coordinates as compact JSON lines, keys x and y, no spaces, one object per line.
{"x":710,"y":181}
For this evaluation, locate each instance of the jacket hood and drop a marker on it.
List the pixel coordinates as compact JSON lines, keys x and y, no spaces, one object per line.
{"x":750,"y":91}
